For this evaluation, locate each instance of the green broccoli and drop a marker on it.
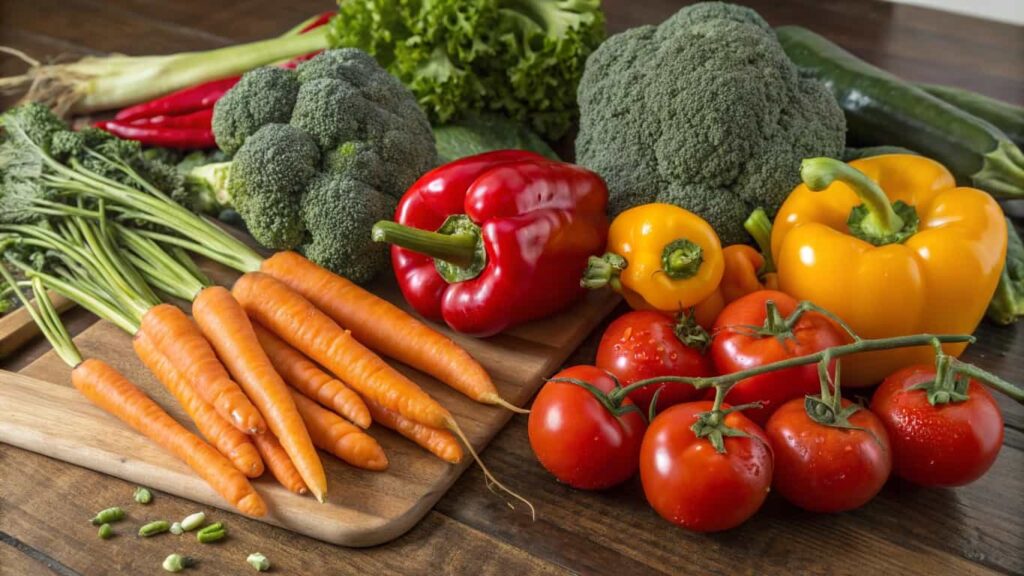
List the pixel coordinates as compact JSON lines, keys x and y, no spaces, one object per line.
{"x":352,"y":142}
{"x":262,"y":96}
{"x":268,"y":177}
{"x":704,"y":111}
{"x":338,"y":212}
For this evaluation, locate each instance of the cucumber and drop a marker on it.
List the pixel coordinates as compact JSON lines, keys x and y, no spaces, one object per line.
{"x":1006,"y":117}
{"x":883,"y":109}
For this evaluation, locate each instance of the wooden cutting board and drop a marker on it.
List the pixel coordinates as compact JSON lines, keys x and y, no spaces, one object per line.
{"x":41,"y":412}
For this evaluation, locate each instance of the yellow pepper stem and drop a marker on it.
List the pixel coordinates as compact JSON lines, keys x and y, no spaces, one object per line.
{"x":681,"y":259}
{"x":877,"y":220}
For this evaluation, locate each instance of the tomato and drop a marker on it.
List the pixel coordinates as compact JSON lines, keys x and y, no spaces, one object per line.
{"x":827,"y":469}
{"x":944,"y":445}
{"x":644,"y":344}
{"x":578,"y":439}
{"x":737,"y":347}
{"x":690,"y":484}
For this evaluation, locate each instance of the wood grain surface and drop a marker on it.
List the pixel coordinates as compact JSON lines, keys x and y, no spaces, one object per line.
{"x":40,"y":411}
{"x":44,"y":503}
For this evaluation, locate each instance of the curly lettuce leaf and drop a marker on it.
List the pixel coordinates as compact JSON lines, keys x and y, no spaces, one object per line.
{"x":522,"y":58}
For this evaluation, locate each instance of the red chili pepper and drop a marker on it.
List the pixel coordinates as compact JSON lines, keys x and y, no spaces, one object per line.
{"x":198,"y":119}
{"x":183,"y":101}
{"x":513,"y":234}
{"x":320,"y":20}
{"x":204,"y":95}
{"x":167,"y":137}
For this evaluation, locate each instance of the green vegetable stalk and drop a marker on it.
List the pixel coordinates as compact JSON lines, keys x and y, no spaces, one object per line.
{"x":1007,"y":304}
{"x":883,"y":109}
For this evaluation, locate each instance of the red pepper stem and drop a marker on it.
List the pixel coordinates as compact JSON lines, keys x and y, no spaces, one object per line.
{"x":458,"y":249}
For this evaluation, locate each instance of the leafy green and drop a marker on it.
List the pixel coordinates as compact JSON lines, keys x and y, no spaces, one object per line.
{"x":480,"y":133}
{"x":523,"y":58}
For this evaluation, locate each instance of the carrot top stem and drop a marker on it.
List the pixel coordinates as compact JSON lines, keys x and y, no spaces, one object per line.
{"x":46,"y":317}
{"x":169,"y":274}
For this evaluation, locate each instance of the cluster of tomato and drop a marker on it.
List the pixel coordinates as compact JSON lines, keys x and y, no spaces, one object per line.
{"x":709,"y":468}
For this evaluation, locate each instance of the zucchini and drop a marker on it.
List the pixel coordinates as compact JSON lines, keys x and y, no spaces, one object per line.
{"x":1006,"y":117}
{"x":883,"y":109}
{"x":851,"y":154}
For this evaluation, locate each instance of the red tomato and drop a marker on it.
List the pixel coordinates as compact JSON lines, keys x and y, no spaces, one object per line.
{"x":643,"y":344}
{"x":577,"y":439}
{"x":735,"y":347}
{"x":690,"y":484}
{"x":826,"y":469}
{"x":944,"y":445}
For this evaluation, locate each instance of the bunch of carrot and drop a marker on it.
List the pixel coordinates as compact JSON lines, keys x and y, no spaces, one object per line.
{"x":265,"y":371}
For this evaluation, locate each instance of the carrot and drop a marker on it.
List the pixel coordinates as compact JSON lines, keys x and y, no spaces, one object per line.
{"x":440,"y":443}
{"x":279,"y":463}
{"x":299,"y":323}
{"x":305,"y":376}
{"x":384,"y":327}
{"x":177,"y":338}
{"x":334,"y":434}
{"x":230,"y":331}
{"x":108,"y":389}
{"x":228,"y":440}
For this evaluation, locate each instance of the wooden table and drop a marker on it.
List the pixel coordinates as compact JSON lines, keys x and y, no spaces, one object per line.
{"x":974,"y":530}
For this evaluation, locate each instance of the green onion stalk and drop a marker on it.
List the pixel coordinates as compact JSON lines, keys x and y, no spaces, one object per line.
{"x":108,"y":82}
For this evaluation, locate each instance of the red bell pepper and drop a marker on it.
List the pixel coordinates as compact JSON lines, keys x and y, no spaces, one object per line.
{"x":496,"y":239}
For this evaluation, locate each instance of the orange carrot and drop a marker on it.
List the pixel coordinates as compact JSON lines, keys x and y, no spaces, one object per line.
{"x":227,"y":439}
{"x":299,"y":323}
{"x":440,"y":443}
{"x":384,"y":327}
{"x":177,"y":338}
{"x":334,"y":434}
{"x":108,"y":389}
{"x":305,"y":376}
{"x":279,"y":463}
{"x":230,"y":331}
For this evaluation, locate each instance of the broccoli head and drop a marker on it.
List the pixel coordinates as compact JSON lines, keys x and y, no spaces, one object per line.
{"x":704,"y":111}
{"x":346,"y":141}
{"x":262,"y":96}
{"x":339,"y":212}
{"x":268,"y":177}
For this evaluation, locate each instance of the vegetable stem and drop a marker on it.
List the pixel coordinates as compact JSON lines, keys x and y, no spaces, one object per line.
{"x":759,"y":226}
{"x":458,"y":249}
{"x":820,"y":173}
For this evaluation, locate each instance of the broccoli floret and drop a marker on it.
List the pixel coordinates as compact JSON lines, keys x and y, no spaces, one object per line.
{"x":35,"y":121}
{"x":339,"y":212}
{"x":354,"y":128}
{"x":262,"y":96}
{"x":268,"y":177}
{"x":704,"y":111}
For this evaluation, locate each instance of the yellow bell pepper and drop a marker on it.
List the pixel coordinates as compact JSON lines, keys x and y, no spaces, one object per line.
{"x":660,"y":257}
{"x":893,"y":247}
{"x":747,"y":270}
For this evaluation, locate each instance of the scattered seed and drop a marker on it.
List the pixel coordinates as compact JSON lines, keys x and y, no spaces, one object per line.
{"x":154,"y":528}
{"x":258,"y":561}
{"x":108,"y":515}
{"x":143,"y":495}
{"x":106,"y":531}
{"x":177,"y":563}
{"x":193,"y":521}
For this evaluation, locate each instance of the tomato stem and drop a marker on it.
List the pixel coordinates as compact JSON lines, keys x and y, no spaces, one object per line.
{"x":861,"y":345}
